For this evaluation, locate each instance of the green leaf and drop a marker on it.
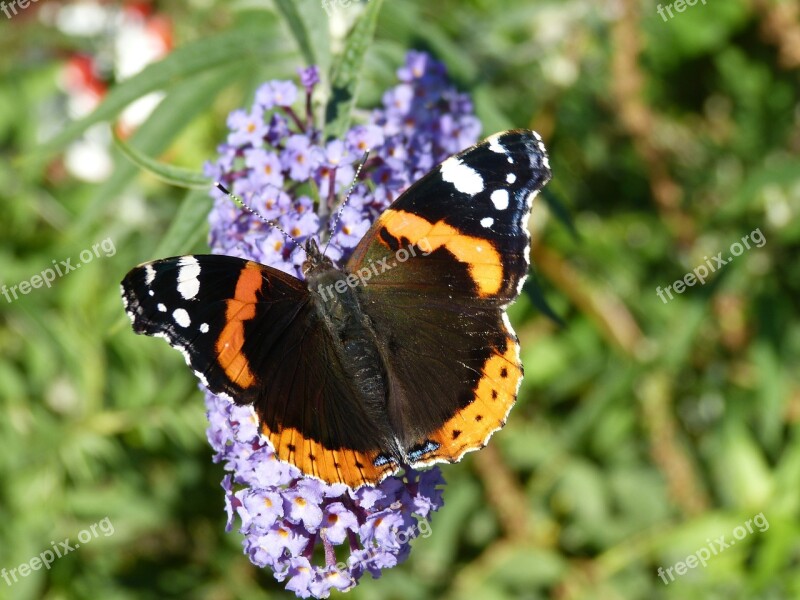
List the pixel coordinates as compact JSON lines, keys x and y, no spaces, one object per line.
{"x":246,"y":44}
{"x":345,"y":78}
{"x":188,"y":227}
{"x":560,"y":211}
{"x":535,"y":292}
{"x":167,"y":173}
{"x":294,"y":19}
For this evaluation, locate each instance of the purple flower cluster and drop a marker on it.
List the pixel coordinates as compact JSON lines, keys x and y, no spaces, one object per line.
{"x":279,"y":163}
{"x":285,"y":516}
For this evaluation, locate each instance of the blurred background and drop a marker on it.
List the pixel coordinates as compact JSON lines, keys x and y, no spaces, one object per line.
{"x":652,"y":421}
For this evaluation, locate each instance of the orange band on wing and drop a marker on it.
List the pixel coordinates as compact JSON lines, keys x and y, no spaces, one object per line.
{"x":483,"y":259}
{"x":350,"y":467}
{"x":240,"y":308}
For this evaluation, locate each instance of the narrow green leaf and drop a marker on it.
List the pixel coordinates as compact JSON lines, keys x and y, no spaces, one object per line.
{"x":167,"y":173}
{"x":345,"y":78}
{"x":535,"y":292}
{"x":188,"y":227}
{"x":297,"y":25}
{"x":560,"y":211}
{"x":229,"y":48}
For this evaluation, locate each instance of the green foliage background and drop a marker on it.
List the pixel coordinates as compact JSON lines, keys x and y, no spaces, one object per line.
{"x":643,"y":429}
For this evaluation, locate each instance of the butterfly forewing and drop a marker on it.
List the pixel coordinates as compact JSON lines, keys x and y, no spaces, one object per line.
{"x":470,"y":214}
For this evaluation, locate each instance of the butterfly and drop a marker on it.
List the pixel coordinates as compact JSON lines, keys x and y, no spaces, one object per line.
{"x":403,"y":357}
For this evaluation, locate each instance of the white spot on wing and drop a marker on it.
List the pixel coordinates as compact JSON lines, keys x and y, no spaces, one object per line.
{"x":188,"y":282}
{"x":465,"y":179}
{"x":161,"y":307}
{"x":487,"y":222}
{"x":203,"y":327}
{"x":511,"y":178}
{"x":495,"y":145}
{"x":149,"y":274}
{"x":540,"y":143}
{"x":181,"y":317}
{"x":500,"y":199}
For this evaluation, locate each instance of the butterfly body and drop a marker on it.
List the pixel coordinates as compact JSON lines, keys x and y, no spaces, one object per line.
{"x":354,"y":341}
{"x":403,"y":357}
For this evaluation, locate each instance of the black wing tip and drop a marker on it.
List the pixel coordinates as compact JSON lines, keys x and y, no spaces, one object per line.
{"x":535,"y":149}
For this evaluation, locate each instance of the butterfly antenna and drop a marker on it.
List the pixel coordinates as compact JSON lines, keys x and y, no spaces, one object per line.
{"x":344,"y":202}
{"x":257,"y":214}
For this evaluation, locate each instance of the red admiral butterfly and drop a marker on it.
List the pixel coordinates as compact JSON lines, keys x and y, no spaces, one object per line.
{"x":352,"y":382}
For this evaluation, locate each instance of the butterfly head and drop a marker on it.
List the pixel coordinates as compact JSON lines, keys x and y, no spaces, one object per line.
{"x":315,"y":260}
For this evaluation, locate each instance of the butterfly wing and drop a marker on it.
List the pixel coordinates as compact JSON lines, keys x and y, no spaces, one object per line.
{"x":445,"y":259}
{"x":251,"y":333}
